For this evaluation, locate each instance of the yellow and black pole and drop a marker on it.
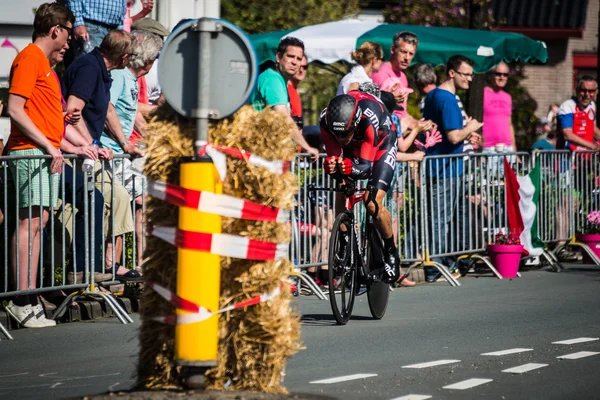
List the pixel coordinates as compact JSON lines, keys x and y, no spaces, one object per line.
{"x":195,"y":56}
{"x":198,"y":272}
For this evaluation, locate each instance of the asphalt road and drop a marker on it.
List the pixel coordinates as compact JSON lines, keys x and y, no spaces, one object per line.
{"x":432,"y":323}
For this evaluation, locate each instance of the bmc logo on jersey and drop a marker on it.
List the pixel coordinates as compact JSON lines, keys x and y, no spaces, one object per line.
{"x":357,"y":116}
{"x":373,"y":118}
{"x":390,"y":159}
{"x":388,"y":123}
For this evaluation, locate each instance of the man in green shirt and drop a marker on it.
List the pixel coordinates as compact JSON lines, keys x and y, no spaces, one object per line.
{"x":271,"y":88}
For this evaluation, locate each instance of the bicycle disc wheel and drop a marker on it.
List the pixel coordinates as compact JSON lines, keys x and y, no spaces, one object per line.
{"x":377,"y":292}
{"x":342,"y":272}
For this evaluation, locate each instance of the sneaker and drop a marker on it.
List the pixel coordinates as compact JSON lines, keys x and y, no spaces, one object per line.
{"x":568,"y":256}
{"x":392,"y":268}
{"x":24,"y":315}
{"x":320,"y":284}
{"x":38,"y":311}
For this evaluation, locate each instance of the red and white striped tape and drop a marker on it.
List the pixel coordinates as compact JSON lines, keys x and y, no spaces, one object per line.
{"x":197,"y":312}
{"x":227,"y":206}
{"x":222,"y":244}
{"x":276,"y":167}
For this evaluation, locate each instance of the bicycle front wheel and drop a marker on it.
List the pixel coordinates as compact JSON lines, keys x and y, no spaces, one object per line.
{"x":342,"y":271}
{"x":378,"y":292}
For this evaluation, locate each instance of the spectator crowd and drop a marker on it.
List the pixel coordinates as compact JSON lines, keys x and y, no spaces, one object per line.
{"x":443,"y":127}
{"x":97,"y":109}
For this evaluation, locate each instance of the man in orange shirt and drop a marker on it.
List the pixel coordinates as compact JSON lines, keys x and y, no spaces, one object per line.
{"x":37,"y":126}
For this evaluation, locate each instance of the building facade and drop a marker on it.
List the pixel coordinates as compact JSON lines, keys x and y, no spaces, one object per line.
{"x":570,"y":30}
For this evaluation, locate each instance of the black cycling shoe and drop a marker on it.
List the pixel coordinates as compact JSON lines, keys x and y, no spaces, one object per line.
{"x":391,"y":272}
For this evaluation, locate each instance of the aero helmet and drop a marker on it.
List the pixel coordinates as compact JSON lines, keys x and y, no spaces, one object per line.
{"x":342,"y":115}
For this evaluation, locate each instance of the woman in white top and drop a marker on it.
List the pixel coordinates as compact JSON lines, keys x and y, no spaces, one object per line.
{"x":369,"y":58}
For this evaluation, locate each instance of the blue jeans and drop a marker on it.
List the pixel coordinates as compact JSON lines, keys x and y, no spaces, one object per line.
{"x":448,"y":229}
{"x":495,"y":164}
{"x":96,"y":33}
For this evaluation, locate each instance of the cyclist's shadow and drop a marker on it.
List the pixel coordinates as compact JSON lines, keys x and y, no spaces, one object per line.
{"x":327,"y":319}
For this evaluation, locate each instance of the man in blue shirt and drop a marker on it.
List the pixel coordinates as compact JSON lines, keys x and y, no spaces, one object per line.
{"x":86,"y":87}
{"x":446,"y":195}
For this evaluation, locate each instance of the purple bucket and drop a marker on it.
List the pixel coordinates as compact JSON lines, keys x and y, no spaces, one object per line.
{"x":593,"y":242}
{"x":506,"y":258}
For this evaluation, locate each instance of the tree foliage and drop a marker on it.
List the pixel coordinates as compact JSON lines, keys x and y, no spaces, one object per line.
{"x":257,"y":16}
{"x":452,"y":13}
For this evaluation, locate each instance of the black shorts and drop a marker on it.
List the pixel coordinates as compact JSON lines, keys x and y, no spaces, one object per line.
{"x":382,"y":172}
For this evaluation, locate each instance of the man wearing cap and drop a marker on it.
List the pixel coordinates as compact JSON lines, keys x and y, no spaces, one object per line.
{"x":150,"y":91}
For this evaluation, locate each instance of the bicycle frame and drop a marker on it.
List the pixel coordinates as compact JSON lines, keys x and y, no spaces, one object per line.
{"x":355,"y":266}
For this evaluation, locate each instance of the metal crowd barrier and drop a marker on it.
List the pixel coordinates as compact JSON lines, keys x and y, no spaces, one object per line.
{"x":554,"y":214}
{"x":585,"y":198}
{"x":312,"y":219}
{"x":455,"y":199}
{"x":438,"y":220}
{"x":72,"y":228}
{"x":444,"y":208}
{"x":403,"y":202}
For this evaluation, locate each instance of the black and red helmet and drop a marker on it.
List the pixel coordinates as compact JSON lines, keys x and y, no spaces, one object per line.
{"x":342,"y":115}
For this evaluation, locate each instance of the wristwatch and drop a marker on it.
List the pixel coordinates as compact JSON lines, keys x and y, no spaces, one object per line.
{"x":125,"y":143}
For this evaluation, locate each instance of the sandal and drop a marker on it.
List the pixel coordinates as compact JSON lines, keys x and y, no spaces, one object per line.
{"x":405,"y":282}
{"x":125,"y":275}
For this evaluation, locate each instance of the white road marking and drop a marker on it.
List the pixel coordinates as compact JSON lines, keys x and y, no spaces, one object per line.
{"x":578,"y":340}
{"x":431,"y":364}
{"x":112,"y":387}
{"x":48,"y":373}
{"x":468,"y":384}
{"x":413,"y":397}
{"x":11,"y":375}
{"x":521,"y":369}
{"x":505,"y":352}
{"x":64,"y":379}
{"x":55,"y":385}
{"x":344,"y":378}
{"x":580,"y":354}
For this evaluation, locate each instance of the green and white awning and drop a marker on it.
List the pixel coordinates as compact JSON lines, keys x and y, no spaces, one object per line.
{"x":335,"y":41}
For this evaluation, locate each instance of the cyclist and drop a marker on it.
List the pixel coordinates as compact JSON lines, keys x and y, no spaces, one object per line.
{"x":360,"y":142}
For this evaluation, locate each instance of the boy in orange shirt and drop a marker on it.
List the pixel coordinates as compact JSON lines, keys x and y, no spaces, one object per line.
{"x":37,"y":126}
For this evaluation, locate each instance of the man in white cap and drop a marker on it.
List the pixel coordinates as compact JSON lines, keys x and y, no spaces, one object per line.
{"x":151,"y":80}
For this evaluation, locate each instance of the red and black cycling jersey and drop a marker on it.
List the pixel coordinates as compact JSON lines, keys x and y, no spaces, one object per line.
{"x":374,"y":139}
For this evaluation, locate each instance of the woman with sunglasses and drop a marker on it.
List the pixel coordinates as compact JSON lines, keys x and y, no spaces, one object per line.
{"x":498,"y":131}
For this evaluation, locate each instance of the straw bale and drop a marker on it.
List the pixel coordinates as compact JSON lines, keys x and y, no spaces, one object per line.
{"x":255,"y":342}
